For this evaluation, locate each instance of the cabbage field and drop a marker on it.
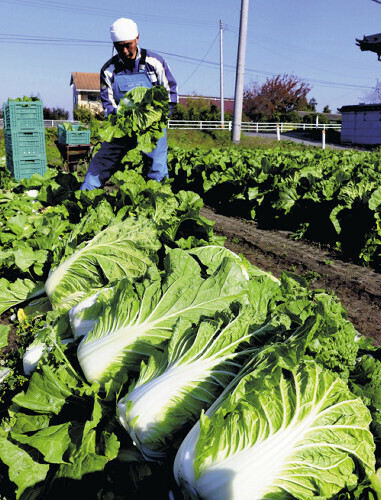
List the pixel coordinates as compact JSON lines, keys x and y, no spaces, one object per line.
{"x":139,"y":336}
{"x":139,"y":354}
{"x":332,"y":197}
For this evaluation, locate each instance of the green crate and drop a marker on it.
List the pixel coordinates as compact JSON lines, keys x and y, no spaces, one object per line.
{"x":24,"y":168}
{"x":23,"y":115}
{"x":22,"y":144}
{"x":73,"y":137}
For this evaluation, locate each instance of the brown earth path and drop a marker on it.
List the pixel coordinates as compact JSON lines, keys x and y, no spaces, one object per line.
{"x":358,"y":288}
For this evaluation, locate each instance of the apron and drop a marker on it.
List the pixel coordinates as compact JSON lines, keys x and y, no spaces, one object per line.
{"x":105,"y":162}
{"x":124,"y":83}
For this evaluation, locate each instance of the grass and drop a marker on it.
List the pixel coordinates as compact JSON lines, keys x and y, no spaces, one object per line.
{"x":221,"y":139}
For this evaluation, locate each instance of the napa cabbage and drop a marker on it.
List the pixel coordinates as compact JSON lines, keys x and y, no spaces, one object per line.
{"x":84,"y":315}
{"x":282,"y":433}
{"x":142,"y":314}
{"x":177,"y":384}
{"x":211,"y":256}
{"x":120,"y":250}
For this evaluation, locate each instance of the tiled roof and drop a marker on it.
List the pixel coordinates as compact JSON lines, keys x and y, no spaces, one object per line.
{"x":85,"y":81}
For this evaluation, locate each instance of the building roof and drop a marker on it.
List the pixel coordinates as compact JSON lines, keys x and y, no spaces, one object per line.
{"x":85,"y":81}
{"x":371,"y":42}
{"x":360,"y":107}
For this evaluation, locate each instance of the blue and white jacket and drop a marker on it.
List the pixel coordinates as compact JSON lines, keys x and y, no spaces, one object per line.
{"x":156,"y":69}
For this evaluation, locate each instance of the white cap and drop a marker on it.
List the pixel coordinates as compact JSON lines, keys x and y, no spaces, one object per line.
{"x":123,"y":29}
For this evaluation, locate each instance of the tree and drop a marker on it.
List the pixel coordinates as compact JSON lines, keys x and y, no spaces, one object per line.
{"x":311,"y":106}
{"x":327,"y":109}
{"x":55,"y":114}
{"x":85,"y":115}
{"x":276,"y":97}
{"x":198,"y":109}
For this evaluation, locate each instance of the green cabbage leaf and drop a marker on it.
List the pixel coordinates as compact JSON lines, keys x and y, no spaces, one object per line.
{"x":281,"y":433}
{"x":177,"y":384}
{"x":142,"y":315}
{"x":120,"y":250}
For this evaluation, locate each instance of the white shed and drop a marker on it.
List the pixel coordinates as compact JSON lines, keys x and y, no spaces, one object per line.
{"x":361,"y":124}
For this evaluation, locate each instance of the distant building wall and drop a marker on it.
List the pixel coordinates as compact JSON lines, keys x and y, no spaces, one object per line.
{"x":361,"y":124}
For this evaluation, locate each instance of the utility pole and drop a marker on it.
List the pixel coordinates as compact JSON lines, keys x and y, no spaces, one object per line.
{"x":240,"y":73}
{"x":221,"y":77}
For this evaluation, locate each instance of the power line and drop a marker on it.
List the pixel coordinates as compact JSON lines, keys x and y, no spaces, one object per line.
{"x":34,"y":39}
{"x":202,"y":60}
{"x":96,"y":11}
{"x":257,"y":41}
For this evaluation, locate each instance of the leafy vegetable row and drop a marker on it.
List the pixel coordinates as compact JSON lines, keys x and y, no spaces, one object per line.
{"x":332,"y":197}
{"x":160,"y":366}
{"x":38,"y":215}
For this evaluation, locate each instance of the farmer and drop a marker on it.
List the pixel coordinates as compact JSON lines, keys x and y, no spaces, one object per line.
{"x":131,"y":67}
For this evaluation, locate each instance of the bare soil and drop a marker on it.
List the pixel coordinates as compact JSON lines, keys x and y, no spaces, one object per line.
{"x":358,"y":288}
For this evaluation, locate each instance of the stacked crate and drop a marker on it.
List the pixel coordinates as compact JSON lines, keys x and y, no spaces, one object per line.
{"x":24,"y":135}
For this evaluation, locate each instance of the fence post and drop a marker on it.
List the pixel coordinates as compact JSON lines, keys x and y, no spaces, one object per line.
{"x":256,"y":127}
{"x":200,"y":125}
{"x":277,"y":132}
{"x":323,"y":139}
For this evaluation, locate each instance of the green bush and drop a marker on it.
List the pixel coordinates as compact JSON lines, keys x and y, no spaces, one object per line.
{"x":55,"y":114}
{"x":201,"y":110}
{"x":84,"y":115}
{"x":289,"y":117}
{"x":311,"y":118}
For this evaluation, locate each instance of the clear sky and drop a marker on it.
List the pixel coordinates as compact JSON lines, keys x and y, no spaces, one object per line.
{"x":43,"y":41}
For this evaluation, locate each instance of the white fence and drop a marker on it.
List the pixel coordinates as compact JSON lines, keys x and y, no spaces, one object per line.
{"x":47,"y":123}
{"x":227,"y":125}
{"x":250,"y":126}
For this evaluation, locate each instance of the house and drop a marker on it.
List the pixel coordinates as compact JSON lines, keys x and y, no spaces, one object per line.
{"x":86,"y":91}
{"x":361,"y":124}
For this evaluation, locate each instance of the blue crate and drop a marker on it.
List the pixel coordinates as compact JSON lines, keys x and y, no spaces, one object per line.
{"x":23,"y":115}
{"x":23,"y":144}
{"x":24,"y":168}
{"x":73,"y":137}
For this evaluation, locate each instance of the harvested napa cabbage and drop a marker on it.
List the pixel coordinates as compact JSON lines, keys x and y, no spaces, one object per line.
{"x":211,"y":256}
{"x":124,"y":249}
{"x":84,"y":315}
{"x":142,"y":314}
{"x":281,"y":434}
{"x":177,"y":384}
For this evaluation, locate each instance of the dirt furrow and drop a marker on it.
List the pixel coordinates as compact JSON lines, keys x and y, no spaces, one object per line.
{"x":357,"y":287}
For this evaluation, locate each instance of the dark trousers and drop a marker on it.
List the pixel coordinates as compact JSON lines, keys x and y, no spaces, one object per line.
{"x":108,"y":160}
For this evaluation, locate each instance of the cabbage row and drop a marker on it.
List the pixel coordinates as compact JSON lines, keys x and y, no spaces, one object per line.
{"x":44,"y":219}
{"x":332,"y":197}
{"x":159,"y":360}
